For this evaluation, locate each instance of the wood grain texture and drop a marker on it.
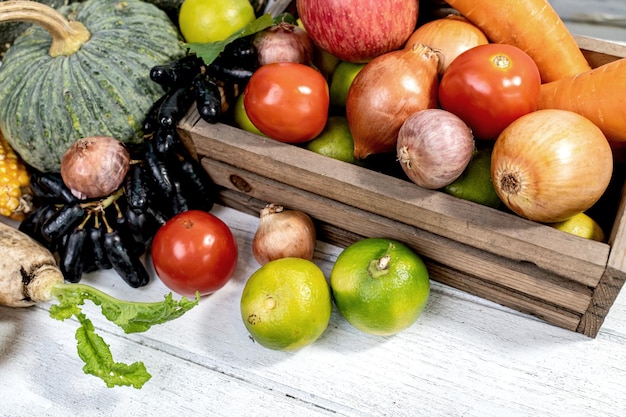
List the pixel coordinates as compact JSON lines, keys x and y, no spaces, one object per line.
{"x":464,"y":356}
{"x":485,"y":288}
{"x":520,"y":277}
{"x":484,"y":228}
{"x":598,"y":52}
{"x":612,"y":281}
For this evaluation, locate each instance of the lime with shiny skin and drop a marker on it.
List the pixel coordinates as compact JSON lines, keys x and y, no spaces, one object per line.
{"x":380,"y":286}
{"x":335,"y":141}
{"x":341,"y":80}
{"x":204,"y":21}
{"x":241,"y":119}
{"x":286,"y":304}
{"x":475,"y":183}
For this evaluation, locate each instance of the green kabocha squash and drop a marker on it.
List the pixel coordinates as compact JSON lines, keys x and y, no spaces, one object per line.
{"x":82,"y":70}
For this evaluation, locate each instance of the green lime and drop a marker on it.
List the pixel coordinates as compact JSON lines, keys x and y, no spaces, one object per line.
{"x":475,"y":184}
{"x":380,"y":285}
{"x":325,"y":62}
{"x":335,"y":141}
{"x":341,"y":80}
{"x":203,"y":21}
{"x":286,"y":304}
{"x":581,"y":225}
{"x":241,"y":118}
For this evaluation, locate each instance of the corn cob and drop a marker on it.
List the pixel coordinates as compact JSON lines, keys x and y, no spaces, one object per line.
{"x":15,"y":197}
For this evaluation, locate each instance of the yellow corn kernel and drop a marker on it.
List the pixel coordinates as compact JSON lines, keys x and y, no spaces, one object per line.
{"x":15,"y":199}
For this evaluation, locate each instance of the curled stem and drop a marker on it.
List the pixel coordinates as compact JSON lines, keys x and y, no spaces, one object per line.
{"x":67,"y":35}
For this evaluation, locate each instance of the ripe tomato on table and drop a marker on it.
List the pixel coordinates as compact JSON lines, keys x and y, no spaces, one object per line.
{"x":194,"y":251}
{"x":287,"y":101}
{"x":490,"y":86}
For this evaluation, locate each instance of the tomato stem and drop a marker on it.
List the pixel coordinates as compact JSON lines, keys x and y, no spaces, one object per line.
{"x":501,"y":61}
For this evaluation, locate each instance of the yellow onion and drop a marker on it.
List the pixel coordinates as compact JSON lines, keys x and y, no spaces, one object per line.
{"x":449,"y":36}
{"x":283,"y":234}
{"x":95,"y":166}
{"x":385,"y":92}
{"x":549,"y":165}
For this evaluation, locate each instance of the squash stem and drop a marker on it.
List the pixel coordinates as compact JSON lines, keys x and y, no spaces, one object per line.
{"x":67,"y":36}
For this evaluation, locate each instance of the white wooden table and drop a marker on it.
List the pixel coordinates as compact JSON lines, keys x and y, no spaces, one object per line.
{"x":464,"y":357}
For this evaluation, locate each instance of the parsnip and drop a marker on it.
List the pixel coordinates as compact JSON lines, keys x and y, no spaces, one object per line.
{"x":28,"y":271}
{"x":29,"y":274}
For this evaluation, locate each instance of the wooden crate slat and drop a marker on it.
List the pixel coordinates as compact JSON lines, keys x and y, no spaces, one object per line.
{"x":598,"y":52}
{"x":522,"y":278}
{"x":487,"y":229}
{"x":552,"y":314}
{"x":563,"y":279}
{"x":518,"y":301}
{"x":612,"y":281}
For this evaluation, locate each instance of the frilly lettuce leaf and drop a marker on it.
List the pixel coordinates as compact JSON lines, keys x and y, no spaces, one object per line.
{"x":132,"y":317}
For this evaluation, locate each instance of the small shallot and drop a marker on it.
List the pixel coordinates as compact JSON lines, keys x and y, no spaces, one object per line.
{"x":283,"y":233}
{"x":283,"y":42}
{"x":94,"y":167}
{"x":434,"y":147}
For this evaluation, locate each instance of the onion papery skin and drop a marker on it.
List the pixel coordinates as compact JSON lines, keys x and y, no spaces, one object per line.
{"x":385,"y":93}
{"x":449,"y":37}
{"x":434,"y":147}
{"x":549,"y":165}
{"x":94,"y":167}
{"x":284,"y":42}
{"x":283,"y":233}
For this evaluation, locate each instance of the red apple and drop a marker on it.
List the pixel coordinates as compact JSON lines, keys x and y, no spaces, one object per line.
{"x":358,"y":30}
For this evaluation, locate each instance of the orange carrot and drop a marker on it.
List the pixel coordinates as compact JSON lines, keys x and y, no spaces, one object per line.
{"x":531,"y":25}
{"x":598,"y":94}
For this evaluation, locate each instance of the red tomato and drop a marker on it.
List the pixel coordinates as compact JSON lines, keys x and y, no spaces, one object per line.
{"x":194,"y":251}
{"x":490,"y":86}
{"x":287,"y":101}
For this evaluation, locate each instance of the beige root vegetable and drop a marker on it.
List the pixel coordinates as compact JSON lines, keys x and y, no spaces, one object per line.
{"x":29,"y":274}
{"x":28,"y":271}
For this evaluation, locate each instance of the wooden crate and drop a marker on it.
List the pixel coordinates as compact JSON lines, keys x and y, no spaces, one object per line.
{"x":565,"y":280}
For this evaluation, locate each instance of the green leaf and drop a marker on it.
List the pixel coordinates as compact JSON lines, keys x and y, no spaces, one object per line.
{"x":64,"y":311}
{"x":209,"y":51}
{"x":130,"y":316}
{"x":99,"y":362}
{"x":139,"y":317}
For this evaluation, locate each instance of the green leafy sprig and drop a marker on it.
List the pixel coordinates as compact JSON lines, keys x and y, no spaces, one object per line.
{"x":132,"y":317}
{"x":211,"y":50}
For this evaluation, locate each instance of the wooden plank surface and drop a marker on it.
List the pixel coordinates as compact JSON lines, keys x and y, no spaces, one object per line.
{"x":487,"y":229}
{"x":465,"y":356}
{"x":548,"y":312}
{"x":517,"y":279}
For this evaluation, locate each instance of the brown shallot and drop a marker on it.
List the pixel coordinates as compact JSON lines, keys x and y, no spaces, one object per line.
{"x":283,"y":42}
{"x":94,"y":167}
{"x":283,"y":233}
{"x":385,"y":92}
